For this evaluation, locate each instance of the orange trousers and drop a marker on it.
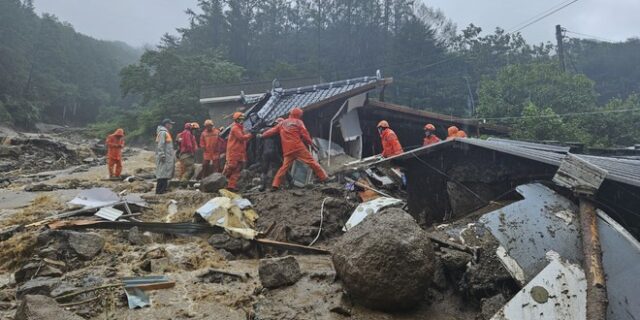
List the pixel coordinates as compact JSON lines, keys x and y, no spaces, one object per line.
{"x":115,"y":167}
{"x":304,"y":156}
{"x":232,"y":170}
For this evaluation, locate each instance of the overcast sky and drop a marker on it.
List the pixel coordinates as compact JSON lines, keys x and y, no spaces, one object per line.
{"x":140,"y":22}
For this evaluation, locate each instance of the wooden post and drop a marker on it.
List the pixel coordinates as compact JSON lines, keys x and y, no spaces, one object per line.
{"x":596,"y":283}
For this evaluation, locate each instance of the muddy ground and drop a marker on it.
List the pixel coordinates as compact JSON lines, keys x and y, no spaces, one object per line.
{"x":459,"y":289}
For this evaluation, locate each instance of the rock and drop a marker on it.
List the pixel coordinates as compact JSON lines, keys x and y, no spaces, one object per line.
{"x":7,"y":294}
{"x":159,"y":265}
{"x":32,"y":269}
{"x":36,"y":307}
{"x":8,"y":232}
{"x":439,"y":277}
{"x":213,"y":183}
{"x":229,"y":243}
{"x":6,"y":305}
{"x":386,"y":261}
{"x":455,"y":261}
{"x":278,"y":272}
{"x":135,"y":237}
{"x":85,"y":245}
{"x":36,"y":187}
{"x":41,"y":286}
{"x":88,"y":160}
{"x":491,"y":305}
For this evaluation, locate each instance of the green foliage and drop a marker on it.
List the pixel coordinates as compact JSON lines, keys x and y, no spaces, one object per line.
{"x":539,"y":124}
{"x":615,"y":125}
{"x":542,"y":84}
{"x":169,"y":85}
{"x":51,"y":73}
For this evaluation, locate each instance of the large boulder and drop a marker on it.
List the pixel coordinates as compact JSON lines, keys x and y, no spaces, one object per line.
{"x":213,"y":183}
{"x":279,"y":272}
{"x":36,"y":307}
{"x":386,"y":262}
{"x":42,"y":286}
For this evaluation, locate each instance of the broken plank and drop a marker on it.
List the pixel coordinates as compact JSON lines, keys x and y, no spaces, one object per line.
{"x":291,"y":246}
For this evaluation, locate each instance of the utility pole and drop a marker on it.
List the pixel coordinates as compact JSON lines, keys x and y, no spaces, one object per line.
{"x":560,"y":47}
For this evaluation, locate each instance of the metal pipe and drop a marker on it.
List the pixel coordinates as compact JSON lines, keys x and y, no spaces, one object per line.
{"x":331,"y":130}
{"x":596,"y":284}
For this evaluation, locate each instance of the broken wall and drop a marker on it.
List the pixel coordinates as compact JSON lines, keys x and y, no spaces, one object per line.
{"x":453,"y":182}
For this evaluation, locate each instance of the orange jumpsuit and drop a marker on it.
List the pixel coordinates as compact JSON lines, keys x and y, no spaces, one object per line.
{"x":390,"y":143}
{"x":295,"y":138}
{"x":115,"y":144}
{"x":236,"y":154}
{"x":432,"y":139}
{"x":211,"y":156}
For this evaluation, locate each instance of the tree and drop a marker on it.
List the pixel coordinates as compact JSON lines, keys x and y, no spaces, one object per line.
{"x":539,"y":124}
{"x":542,"y":84}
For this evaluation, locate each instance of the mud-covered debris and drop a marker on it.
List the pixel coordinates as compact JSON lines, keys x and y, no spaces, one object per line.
{"x":41,"y":285}
{"x":491,"y":305}
{"x":68,"y":244}
{"x":455,"y":261}
{"x":36,"y":307}
{"x":137,"y":238}
{"x":385,"y":262}
{"x":37,"y":187}
{"x":8,"y":294}
{"x":33,"y":269}
{"x":225,"y":242}
{"x":279,"y":272}
{"x":213,"y":183}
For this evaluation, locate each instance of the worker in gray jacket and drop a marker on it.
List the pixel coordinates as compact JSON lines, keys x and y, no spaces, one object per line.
{"x":165,"y":156}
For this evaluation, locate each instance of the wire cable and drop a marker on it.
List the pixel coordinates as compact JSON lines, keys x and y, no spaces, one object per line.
{"x":544,"y":16}
{"x":540,"y":14}
{"x":589,"y":36}
{"x":321,"y":221}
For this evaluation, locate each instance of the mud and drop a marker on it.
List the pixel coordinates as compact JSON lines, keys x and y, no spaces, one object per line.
{"x":295,"y":215}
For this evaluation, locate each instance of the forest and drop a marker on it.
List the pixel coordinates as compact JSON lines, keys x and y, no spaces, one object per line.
{"x":57,"y":75}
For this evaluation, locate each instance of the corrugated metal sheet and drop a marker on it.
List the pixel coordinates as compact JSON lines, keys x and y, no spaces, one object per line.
{"x":619,"y":170}
{"x":283,"y":100}
{"x":532,"y":145}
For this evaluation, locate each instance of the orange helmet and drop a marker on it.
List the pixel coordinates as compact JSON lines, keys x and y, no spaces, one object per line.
{"x":208,"y":123}
{"x":187,"y":126}
{"x":238,"y":115}
{"x":296,"y":113}
{"x":383,"y":124}
{"x":119,"y":132}
{"x":430,"y":127}
{"x":195,"y":125}
{"x":452,"y":130}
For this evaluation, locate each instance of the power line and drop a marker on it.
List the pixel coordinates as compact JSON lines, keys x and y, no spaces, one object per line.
{"x":588,"y":35}
{"x":539,"y":14}
{"x":545,"y":15}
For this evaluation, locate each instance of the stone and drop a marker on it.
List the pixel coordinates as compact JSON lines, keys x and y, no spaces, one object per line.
{"x":491,"y":305}
{"x":6,"y":305}
{"x":36,"y":307}
{"x":213,"y":183}
{"x":67,"y":244}
{"x":439,"y":276}
{"x":135,"y":237}
{"x":41,"y":286}
{"x":36,"y":187}
{"x":88,"y":160}
{"x":386,"y":262}
{"x":279,"y":272}
{"x":87,"y":245}
{"x":32,"y":269}
{"x":229,"y":243}
{"x":455,"y":261}
{"x":7,"y":294}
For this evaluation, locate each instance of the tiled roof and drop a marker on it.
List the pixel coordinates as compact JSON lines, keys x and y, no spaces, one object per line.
{"x":282,"y":101}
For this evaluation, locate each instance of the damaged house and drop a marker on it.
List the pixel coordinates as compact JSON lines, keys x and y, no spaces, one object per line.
{"x":346,"y":113}
{"x":533,"y":198}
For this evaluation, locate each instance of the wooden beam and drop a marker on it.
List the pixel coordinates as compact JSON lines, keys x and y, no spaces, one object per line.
{"x":596,"y":283}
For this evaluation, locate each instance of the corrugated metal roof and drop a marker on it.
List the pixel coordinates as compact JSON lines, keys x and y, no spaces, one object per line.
{"x":282,"y":101}
{"x":620,"y":170}
{"x":532,"y":145}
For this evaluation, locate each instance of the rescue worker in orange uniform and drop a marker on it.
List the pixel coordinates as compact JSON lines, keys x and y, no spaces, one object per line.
{"x":390,"y":143}
{"x":209,"y":144}
{"x":430,"y":135}
{"x":115,"y":144}
{"x":454,"y":132}
{"x":294,"y":138}
{"x":236,"y":151}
